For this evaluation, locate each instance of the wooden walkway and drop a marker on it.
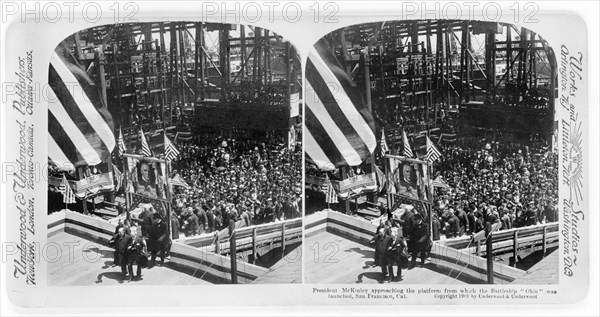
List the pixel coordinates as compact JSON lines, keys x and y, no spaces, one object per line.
{"x":331,"y":259}
{"x":542,"y":273}
{"x":84,"y":263}
{"x":286,"y":271}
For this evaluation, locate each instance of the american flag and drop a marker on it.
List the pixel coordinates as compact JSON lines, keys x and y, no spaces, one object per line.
{"x":383,"y":144}
{"x":330,"y":194}
{"x":68,"y":194}
{"x":339,"y":128}
{"x":80,"y":128}
{"x":171,"y":151}
{"x":118,"y":177}
{"x":433,"y":154}
{"x":121,"y":143}
{"x":407,"y":151}
{"x":145,"y":148}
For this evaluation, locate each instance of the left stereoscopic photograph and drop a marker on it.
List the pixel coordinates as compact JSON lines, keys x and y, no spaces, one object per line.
{"x":175,"y":156}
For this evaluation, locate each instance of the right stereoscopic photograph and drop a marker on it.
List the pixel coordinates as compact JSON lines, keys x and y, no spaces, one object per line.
{"x":431,"y":155}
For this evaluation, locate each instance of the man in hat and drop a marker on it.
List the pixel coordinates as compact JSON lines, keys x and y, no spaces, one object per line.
{"x":190,"y":222}
{"x":158,"y":240}
{"x":383,"y":242}
{"x":463,"y":221}
{"x":452,"y":225}
{"x":122,"y":242}
{"x":419,"y":241}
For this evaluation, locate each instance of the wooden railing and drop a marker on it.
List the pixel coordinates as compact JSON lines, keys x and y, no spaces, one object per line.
{"x":253,"y":237}
{"x":528,"y":235}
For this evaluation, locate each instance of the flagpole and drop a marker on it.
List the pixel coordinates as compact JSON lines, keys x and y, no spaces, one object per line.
{"x":430,"y":184}
{"x":125,"y":183}
{"x":169,"y":197}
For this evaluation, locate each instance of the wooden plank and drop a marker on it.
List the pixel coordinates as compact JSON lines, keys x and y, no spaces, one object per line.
{"x":80,"y":262}
{"x":331,"y":259}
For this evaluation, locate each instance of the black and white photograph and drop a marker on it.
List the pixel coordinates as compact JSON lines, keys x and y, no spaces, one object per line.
{"x":333,"y":157}
{"x":175,"y":155}
{"x":431,"y":155}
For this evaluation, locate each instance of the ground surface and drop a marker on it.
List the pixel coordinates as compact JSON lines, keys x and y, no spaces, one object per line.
{"x":331,"y":259}
{"x":81,"y":262}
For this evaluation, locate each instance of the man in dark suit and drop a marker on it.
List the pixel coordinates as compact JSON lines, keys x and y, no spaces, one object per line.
{"x":396,"y":254}
{"x":453,"y":226}
{"x":145,"y":218}
{"x":383,"y":242}
{"x":122,"y":242}
{"x":136,"y":255}
{"x":471,"y":229}
{"x":158,"y":239}
{"x":407,"y":221}
{"x":190,"y":222}
{"x":419,"y":241}
{"x":435,"y":227}
{"x":463,"y":221}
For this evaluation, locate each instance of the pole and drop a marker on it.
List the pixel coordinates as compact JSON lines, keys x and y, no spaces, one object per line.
{"x":489,"y":253}
{"x":125,"y":184}
{"x":233,"y":254}
{"x":515,"y":247}
{"x":169,"y":195}
{"x":283,"y":240}
{"x":254,"y":253}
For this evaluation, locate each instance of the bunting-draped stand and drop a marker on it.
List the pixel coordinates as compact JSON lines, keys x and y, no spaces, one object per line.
{"x":127,"y":183}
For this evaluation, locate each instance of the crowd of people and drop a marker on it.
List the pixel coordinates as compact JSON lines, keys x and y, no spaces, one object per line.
{"x":240,"y":179}
{"x":509,"y":181}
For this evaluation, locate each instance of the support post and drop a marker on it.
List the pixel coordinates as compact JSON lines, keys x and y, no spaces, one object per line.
{"x":254,"y":253}
{"x":233,"y":253}
{"x":544,"y":237}
{"x":489,"y":253}
{"x":217,"y":244}
{"x":515,"y":246}
{"x":283,"y":240}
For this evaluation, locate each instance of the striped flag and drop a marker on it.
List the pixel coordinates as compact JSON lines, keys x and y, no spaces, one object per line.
{"x":118,"y":177}
{"x":381,"y":179}
{"x":433,"y":153}
{"x":330,"y":194}
{"x":121,"y":142}
{"x":171,"y":151}
{"x":145,"y":148}
{"x":406,"y":150}
{"x":383,"y":144}
{"x":80,"y":128}
{"x":67,"y":191}
{"x":340,"y":129}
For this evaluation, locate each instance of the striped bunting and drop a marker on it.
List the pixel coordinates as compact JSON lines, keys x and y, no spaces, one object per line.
{"x":121,"y":142}
{"x":145,"y":148}
{"x":171,"y":151}
{"x":340,"y":130}
{"x":80,"y":128}
{"x":433,"y":154}
{"x":406,"y":150}
{"x":67,"y":191}
{"x":330,"y":194}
